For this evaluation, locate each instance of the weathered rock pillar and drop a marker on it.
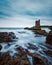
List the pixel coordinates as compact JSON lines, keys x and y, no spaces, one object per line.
{"x":37,"y":25}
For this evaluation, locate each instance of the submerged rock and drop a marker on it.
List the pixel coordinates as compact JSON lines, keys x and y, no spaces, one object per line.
{"x":7,"y":36}
{"x":49,"y":38}
{"x":5,"y":59}
{"x":32,"y":46}
{"x":48,"y":53}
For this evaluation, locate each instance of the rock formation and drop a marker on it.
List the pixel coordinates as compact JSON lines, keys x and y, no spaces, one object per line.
{"x":49,"y":38}
{"x":41,"y":32}
{"x":37,"y":28}
{"x":24,"y":57}
{"x":37,"y":25}
{"x":7,"y":36}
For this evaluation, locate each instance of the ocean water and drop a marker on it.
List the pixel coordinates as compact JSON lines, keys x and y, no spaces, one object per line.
{"x":25,"y":37}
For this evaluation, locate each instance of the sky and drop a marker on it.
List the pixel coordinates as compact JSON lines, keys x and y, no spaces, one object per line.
{"x":24,"y":13}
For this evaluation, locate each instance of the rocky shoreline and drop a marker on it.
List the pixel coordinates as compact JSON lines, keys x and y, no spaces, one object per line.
{"x":24,"y":56}
{"x":7,"y":36}
{"x":37,"y":30}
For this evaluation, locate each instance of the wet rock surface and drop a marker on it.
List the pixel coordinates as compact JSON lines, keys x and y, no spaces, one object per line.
{"x":27,"y":50}
{"x":21,"y":57}
{"x":31,"y":46}
{"x":48,"y":53}
{"x":38,"y":61}
{"x":7,"y":36}
{"x":5,"y":59}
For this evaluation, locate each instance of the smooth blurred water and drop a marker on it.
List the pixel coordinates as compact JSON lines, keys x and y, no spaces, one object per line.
{"x":25,"y":37}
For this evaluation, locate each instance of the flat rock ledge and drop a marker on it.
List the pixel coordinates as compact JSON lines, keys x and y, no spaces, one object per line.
{"x":7,"y":36}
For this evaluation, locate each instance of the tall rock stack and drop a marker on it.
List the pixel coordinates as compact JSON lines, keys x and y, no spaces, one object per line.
{"x":37,"y":25}
{"x":38,"y":28}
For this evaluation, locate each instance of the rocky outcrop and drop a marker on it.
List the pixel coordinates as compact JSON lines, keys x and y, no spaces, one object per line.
{"x":5,"y":59}
{"x":49,"y":38}
{"x":0,"y":47}
{"x":7,"y":36}
{"x":37,"y":25}
{"x":38,"y":61}
{"x":37,"y":28}
{"x":41,"y":32}
{"x":50,"y":28}
{"x":21,"y":57}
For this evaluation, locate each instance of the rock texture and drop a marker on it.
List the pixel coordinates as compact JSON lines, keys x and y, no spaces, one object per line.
{"x":7,"y":36}
{"x":6,"y":59}
{"x":21,"y":57}
{"x":38,"y":61}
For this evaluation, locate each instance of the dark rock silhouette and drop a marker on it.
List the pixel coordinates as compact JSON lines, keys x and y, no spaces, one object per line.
{"x":38,"y":61}
{"x":49,"y":38}
{"x":37,"y":25}
{"x":0,"y":47}
{"x":37,"y":28}
{"x":7,"y":36}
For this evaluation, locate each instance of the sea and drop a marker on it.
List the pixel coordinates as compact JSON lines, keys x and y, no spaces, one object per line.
{"x":23,"y":38}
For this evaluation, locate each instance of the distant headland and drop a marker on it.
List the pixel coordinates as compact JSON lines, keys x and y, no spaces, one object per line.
{"x":38,"y":26}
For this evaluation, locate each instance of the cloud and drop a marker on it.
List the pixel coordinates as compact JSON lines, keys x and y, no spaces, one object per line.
{"x":27,"y":7}
{"x":25,"y":11}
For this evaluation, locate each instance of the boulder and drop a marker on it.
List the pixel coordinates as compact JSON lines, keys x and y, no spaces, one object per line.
{"x":49,"y":38}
